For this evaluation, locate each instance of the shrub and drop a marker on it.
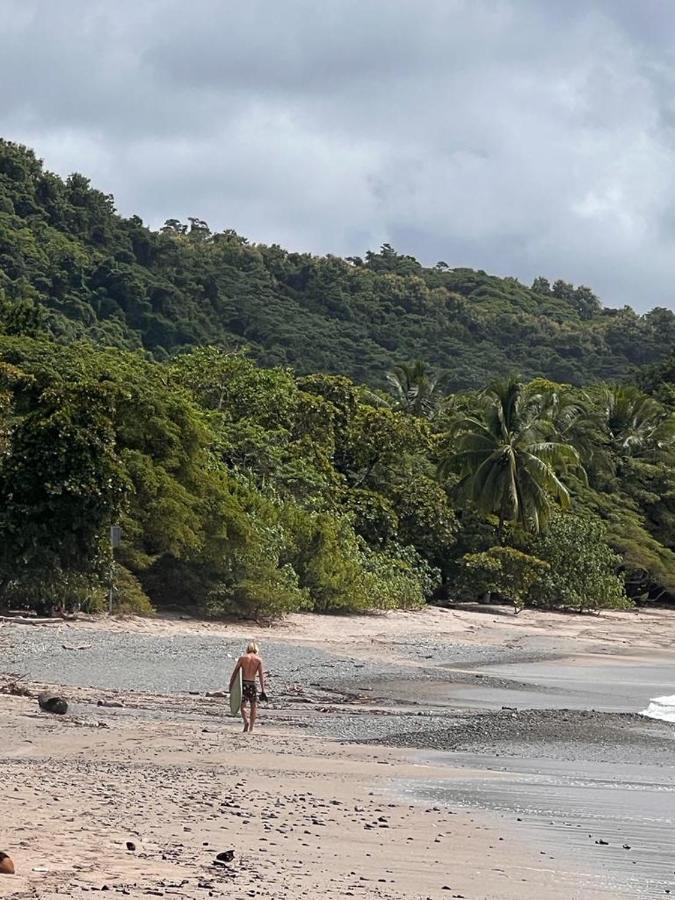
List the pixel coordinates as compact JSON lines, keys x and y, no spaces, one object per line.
{"x":582,"y":569}
{"x":504,"y":571}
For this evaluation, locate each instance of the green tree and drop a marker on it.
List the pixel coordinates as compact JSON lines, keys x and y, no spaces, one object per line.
{"x":504,"y":571}
{"x":61,"y":484}
{"x":582,"y":572}
{"x":636,"y":424}
{"x":507,"y":463}
{"x":416,"y":389}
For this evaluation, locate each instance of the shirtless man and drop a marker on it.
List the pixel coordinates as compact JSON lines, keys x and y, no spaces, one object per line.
{"x":251,"y":665}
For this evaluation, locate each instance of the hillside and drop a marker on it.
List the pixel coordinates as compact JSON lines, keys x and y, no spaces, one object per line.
{"x":244,"y":487}
{"x":71,"y":267}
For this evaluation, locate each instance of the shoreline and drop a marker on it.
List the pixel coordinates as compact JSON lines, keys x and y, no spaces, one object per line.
{"x":321,"y":816}
{"x":331,"y":724}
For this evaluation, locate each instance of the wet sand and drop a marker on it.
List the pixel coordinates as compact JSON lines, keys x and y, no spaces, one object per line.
{"x":501,"y":808}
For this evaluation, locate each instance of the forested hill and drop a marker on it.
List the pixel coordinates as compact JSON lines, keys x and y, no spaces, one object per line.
{"x":243,"y":487}
{"x":71,"y":267}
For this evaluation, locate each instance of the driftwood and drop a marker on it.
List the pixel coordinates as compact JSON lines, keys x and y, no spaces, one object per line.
{"x":22,"y":620}
{"x":12,"y":686}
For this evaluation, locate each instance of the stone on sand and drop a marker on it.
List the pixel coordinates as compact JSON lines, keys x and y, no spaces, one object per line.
{"x":53,"y":703}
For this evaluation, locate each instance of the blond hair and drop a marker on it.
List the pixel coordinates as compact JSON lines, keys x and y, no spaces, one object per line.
{"x":252,"y":647}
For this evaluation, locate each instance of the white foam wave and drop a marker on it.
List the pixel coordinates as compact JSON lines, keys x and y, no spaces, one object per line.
{"x":661,"y":708}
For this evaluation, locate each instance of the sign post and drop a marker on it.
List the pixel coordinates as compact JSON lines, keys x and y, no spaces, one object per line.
{"x":115,"y":541}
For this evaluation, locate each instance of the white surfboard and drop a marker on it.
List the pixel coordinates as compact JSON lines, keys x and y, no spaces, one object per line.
{"x":235,"y":695}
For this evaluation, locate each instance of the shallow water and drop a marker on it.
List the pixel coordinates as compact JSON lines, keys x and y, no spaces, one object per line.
{"x":607,"y":684}
{"x":565,"y":808}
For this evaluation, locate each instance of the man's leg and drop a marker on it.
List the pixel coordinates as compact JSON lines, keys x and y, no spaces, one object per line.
{"x":254,"y":709}
{"x":242,"y":710}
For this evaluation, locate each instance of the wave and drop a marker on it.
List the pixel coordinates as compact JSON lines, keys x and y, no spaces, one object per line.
{"x":661,"y":708}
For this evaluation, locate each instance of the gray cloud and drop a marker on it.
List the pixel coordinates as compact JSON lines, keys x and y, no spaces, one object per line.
{"x":518,"y":136}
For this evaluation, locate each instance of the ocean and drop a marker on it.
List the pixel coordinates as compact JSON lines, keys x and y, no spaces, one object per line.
{"x":661,"y":708}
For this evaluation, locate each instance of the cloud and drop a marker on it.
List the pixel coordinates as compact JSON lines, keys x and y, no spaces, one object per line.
{"x":517,"y":136}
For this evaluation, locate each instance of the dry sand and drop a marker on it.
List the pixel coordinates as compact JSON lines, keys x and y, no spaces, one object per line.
{"x":305,"y":816}
{"x":645,"y":628}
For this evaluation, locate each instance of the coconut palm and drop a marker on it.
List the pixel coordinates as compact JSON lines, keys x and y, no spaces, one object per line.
{"x":416,"y":389}
{"x":636,"y":424}
{"x":507,"y":462}
{"x":573,"y":418}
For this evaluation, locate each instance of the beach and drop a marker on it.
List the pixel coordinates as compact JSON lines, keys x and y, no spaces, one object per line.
{"x":466,"y":753}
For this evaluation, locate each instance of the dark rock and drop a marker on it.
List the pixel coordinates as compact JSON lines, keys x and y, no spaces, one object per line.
{"x":131,"y":846}
{"x":6,"y":865}
{"x":225,"y":857}
{"x":53,"y":703}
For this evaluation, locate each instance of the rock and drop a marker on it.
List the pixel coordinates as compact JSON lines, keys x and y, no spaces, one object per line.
{"x":225,"y":857}
{"x":131,"y":846}
{"x":6,"y":865}
{"x":115,"y":704}
{"x":53,"y":703}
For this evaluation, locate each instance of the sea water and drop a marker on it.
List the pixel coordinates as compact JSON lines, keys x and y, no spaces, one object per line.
{"x":611,"y":822}
{"x":661,"y":708}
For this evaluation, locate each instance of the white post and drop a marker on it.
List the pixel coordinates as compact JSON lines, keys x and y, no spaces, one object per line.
{"x":115,"y":540}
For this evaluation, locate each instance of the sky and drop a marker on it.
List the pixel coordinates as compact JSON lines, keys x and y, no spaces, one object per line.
{"x":523,"y":137}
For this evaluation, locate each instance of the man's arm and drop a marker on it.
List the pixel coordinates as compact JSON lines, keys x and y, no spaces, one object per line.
{"x":234,"y":674}
{"x":261,"y":675}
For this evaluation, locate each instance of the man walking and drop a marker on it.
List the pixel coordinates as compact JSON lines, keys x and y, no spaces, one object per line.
{"x":251,"y":666}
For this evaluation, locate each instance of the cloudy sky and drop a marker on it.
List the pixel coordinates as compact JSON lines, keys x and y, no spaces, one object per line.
{"x":523,"y":137}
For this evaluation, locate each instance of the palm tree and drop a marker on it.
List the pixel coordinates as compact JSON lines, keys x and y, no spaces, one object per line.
{"x":636,"y":424}
{"x":573,"y":418}
{"x":416,"y":389}
{"x":507,"y":463}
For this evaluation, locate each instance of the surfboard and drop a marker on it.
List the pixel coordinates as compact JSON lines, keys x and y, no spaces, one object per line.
{"x":235,"y":695}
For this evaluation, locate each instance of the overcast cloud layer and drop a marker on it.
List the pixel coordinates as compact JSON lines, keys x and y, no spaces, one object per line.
{"x":525,"y":137}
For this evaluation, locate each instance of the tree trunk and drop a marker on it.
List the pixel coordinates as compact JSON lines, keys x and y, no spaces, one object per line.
{"x":368,"y":471}
{"x":500,"y":528}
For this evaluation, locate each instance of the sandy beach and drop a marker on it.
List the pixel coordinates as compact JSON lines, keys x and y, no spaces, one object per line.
{"x":384,"y":765}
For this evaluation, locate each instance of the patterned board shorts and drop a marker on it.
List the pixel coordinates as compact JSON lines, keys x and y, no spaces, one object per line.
{"x":249,"y":692}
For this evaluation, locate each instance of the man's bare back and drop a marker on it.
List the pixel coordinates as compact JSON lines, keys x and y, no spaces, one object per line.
{"x":250,"y":664}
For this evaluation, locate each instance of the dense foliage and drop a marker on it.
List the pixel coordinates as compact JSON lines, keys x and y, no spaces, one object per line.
{"x":239,"y":489}
{"x":70,"y":266}
{"x":253,"y":489}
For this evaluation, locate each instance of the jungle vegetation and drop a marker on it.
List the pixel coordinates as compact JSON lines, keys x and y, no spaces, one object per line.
{"x":277,"y":431}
